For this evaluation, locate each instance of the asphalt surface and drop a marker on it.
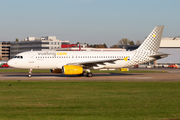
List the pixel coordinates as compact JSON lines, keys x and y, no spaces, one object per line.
{"x":172,"y":75}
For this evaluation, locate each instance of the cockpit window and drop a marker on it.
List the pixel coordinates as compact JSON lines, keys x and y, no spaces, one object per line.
{"x":19,"y":57}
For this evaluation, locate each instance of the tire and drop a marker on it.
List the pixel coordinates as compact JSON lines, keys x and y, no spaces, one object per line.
{"x":89,"y":74}
{"x":29,"y":76}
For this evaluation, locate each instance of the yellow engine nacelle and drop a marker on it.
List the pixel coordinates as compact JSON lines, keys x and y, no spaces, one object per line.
{"x":56,"y":70}
{"x":72,"y":70}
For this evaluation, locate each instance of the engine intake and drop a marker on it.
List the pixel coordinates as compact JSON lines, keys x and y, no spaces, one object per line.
{"x":72,"y":70}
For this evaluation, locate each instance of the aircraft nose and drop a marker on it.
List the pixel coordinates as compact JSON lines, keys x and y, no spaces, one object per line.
{"x":11,"y":63}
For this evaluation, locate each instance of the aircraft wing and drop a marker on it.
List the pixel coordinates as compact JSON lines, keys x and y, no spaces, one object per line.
{"x":159,"y":55}
{"x":94,"y":63}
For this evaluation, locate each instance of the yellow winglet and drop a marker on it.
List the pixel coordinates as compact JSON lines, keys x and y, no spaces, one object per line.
{"x":126,"y":58}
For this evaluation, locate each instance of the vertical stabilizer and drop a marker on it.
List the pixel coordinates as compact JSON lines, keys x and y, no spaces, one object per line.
{"x":149,"y":47}
{"x":152,"y":42}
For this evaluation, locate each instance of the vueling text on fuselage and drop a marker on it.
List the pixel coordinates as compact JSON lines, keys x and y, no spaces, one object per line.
{"x":52,"y":53}
{"x":61,"y":53}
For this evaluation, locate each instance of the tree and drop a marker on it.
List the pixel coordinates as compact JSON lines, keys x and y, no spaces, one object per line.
{"x":17,"y":40}
{"x":98,"y":46}
{"x":131,"y":43}
{"x":123,"y":41}
{"x":114,"y":46}
{"x":105,"y":46}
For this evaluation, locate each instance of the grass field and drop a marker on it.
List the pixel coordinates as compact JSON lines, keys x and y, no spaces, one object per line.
{"x":93,"y":71}
{"x":85,"y":100}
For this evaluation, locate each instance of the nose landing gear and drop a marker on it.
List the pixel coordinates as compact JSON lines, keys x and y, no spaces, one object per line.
{"x":30,"y":73}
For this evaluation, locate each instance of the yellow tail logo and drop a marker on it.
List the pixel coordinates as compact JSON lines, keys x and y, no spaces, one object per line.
{"x":126,"y":58}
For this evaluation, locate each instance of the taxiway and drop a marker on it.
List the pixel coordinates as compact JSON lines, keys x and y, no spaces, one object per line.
{"x":172,"y":75}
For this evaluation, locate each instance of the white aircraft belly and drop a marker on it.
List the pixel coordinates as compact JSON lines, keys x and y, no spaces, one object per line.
{"x":118,"y":64}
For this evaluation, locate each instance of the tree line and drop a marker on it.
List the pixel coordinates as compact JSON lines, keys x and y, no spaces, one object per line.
{"x":126,"y":41}
{"x":98,"y":46}
{"x":123,"y":41}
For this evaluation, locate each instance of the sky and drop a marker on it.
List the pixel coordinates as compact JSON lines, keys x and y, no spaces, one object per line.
{"x":88,"y":21}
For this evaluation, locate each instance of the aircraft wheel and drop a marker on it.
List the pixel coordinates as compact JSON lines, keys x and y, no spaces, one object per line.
{"x":29,"y":76}
{"x":89,"y":74}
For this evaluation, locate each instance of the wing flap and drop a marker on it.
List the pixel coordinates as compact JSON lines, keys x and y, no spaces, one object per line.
{"x":94,"y":63}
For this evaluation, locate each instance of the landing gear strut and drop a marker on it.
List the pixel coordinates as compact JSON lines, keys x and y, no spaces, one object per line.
{"x":30,"y":73}
{"x":89,"y":73}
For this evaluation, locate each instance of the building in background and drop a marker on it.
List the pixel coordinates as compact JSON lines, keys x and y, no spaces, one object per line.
{"x":83,"y":45}
{"x":170,"y":46}
{"x":89,"y":49}
{"x":4,"y":51}
{"x":37,"y":44}
{"x":129,"y":47}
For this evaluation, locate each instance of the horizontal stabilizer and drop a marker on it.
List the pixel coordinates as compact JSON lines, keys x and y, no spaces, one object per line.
{"x":159,"y":55}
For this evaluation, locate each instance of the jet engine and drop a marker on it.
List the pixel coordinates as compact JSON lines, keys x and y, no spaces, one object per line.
{"x":72,"y":70}
{"x":56,"y":70}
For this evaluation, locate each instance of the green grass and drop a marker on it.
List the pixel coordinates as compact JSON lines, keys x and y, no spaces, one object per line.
{"x":93,"y":71}
{"x":61,"y":100}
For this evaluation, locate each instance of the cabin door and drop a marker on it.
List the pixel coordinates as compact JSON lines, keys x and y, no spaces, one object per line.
{"x":31,"y":58}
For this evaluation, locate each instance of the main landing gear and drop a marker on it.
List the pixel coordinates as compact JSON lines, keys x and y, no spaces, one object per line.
{"x":30,"y":73}
{"x":88,"y":73}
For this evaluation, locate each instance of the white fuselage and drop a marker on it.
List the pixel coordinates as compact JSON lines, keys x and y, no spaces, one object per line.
{"x":56,"y":59}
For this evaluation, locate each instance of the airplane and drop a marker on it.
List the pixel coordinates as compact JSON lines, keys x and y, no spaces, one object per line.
{"x":81,"y":62}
